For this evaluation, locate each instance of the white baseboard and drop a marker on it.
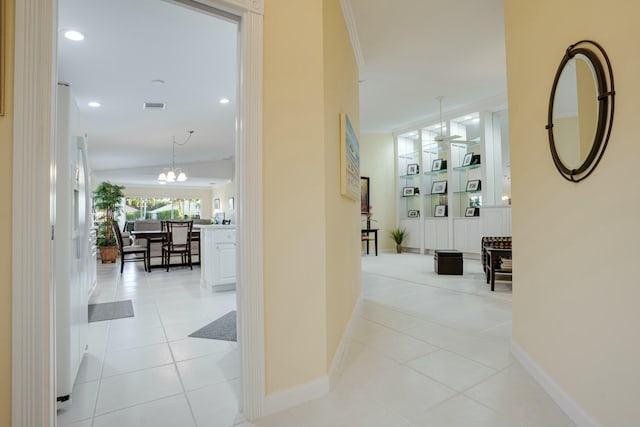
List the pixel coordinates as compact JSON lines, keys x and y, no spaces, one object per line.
{"x":577,"y":414}
{"x":339,"y":354}
{"x":295,"y":396}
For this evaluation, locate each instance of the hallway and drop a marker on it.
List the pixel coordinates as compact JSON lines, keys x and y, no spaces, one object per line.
{"x":423,"y":350}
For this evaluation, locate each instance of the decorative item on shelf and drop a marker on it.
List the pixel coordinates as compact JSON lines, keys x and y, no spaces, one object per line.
{"x":475,"y":160}
{"x":413,"y":169}
{"x":472,"y":211}
{"x":413,"y":213}
{"x":440,"y":211}
{"x":439,"y":187}
{"x":439,"y":165}
{"x":107,"y":200}
{"x":408,"y":191}
{"x":466,"y":161}
{"x":473,"y":185}
{"x":174,"y":174}
{"x":398,"y":235}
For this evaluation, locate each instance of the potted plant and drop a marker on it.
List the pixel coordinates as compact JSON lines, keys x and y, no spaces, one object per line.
{"x":398,"y":235}
{"x":107,"y":200}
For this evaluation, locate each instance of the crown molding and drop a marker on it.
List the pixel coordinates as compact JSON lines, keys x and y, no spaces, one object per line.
{"x":350,"y":21}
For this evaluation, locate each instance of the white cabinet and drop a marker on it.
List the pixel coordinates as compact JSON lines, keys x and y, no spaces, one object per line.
{"x":218,"y":264}
{"x":436,"y":233}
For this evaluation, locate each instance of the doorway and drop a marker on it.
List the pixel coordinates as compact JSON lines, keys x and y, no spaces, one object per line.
{"x":32,"y":305}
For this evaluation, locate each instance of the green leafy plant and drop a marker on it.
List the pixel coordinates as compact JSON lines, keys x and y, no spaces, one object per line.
{"x":398,"y":235}
{"x":107,"y":201}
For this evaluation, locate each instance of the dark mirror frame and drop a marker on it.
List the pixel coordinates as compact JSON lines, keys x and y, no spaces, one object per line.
{"x":364,"y":195}
{"x":606,"y":95}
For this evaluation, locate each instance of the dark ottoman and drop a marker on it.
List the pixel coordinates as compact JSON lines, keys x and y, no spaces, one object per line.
{"x":448,"y":261}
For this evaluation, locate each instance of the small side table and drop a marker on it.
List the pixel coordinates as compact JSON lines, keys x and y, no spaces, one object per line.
{"x":494,"y":268}
{"x":365,"y":236}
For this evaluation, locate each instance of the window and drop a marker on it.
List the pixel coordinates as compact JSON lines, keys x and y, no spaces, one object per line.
{"x":161,"y":208}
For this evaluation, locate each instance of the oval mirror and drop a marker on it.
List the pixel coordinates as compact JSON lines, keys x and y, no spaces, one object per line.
{"x":580,"y":110}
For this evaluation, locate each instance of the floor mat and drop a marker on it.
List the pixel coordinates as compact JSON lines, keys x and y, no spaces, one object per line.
{"x":110,"y":310}
{"x":223,"y":328}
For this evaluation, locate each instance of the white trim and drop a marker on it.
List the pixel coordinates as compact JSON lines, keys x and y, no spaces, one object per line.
{"x":352,"y":29}
{"x":33,"y":367}
{"x":570,"y":407}
{"x":250,"y":290}
{"x":334,"y":369}
{"x":32,"y":345}
{"x":277,"y":402}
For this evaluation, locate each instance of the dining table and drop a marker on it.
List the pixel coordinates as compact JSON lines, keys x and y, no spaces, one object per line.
{"x":160,"y":236}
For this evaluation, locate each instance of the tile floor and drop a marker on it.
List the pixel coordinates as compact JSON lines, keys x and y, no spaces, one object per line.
{"x":423,"y":350}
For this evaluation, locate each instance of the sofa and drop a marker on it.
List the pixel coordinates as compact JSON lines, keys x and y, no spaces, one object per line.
{"x":156,"y":245}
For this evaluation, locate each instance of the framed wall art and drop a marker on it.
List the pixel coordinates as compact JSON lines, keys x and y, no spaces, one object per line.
{"x":473,"y":185}
{"x":467,"y":159}
{"x":412,"y":213}
{"x":439,"y":187}
{"x":349,"y":160}
{"x":408,"y":191}
{"x":440,"y":211}
{"x":364,"y":195}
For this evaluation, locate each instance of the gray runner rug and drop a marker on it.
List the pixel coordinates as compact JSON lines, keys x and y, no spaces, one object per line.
{"x":110,"y":310}
{"x":223,"y":328}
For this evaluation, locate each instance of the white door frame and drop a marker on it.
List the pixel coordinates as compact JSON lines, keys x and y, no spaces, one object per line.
{"x":33,"y":336}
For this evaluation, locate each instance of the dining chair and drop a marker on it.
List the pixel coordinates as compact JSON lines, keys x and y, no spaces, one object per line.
{"x":178,"y":242}
{"x":134,"y":250}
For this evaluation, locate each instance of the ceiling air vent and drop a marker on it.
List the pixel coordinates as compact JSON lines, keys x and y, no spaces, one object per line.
{"x":154,"y":106}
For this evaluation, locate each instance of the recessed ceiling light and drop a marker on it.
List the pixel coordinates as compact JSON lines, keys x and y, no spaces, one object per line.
{"x":94,"y":104}
{"x":157,"y":82}
{"x":74,"y":35}
{"x":224,"y":100}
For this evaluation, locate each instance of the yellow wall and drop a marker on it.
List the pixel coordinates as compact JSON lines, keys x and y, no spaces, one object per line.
{"x":576,"y":246}
{"x":309,"y":77}
{"x":294,"y":203}
{"x":376,"y":162}
{"x":6,"y":140}
{"x":342,"y":215}
{"x":204,"y":195}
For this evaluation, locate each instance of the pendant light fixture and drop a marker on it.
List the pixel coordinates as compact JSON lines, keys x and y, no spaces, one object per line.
{"x":174,"y":174}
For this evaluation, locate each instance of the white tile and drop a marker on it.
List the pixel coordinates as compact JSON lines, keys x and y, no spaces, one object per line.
{"x":364,"y":330}
{"x":399,"y":347}
{"x":191,"y":348}
{"x":490,"y":351}
{"x":358,"y":364}
{"x":450,"y":369}
{"x":83,"y":400}
{"x":216,"y":405}
{"x":405,"y":391}
{"x":460,"y":411}
{"x":84,"y":423}
{"x":208,"y":370}
{"x":438,"y":335}
{"x":515,"y":396}
{"x":90,"y":368}
{"x":126,"y":338}
{"x":168,"y":412}
{"x":137,"y":387}
{"x":182,"y":330}
{"x":387,"y":317}
{"x":123,"y":361}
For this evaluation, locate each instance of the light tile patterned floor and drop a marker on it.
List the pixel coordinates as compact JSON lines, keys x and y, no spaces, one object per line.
{"x":423,"y":350}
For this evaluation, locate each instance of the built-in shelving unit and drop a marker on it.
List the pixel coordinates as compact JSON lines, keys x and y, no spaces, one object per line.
{"x":444,"y":185}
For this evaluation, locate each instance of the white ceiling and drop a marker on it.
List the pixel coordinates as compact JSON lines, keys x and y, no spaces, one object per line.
{"x":416,"y":50}
{"x":129,"y":44}
{"x":412,"y":51}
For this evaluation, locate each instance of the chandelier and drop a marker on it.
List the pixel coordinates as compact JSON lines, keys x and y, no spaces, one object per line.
{"x":174,"y":174}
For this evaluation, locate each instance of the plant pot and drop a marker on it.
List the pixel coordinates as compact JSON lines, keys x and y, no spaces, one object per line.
{"x":108,"y":254}
{"x":398,"y":249}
